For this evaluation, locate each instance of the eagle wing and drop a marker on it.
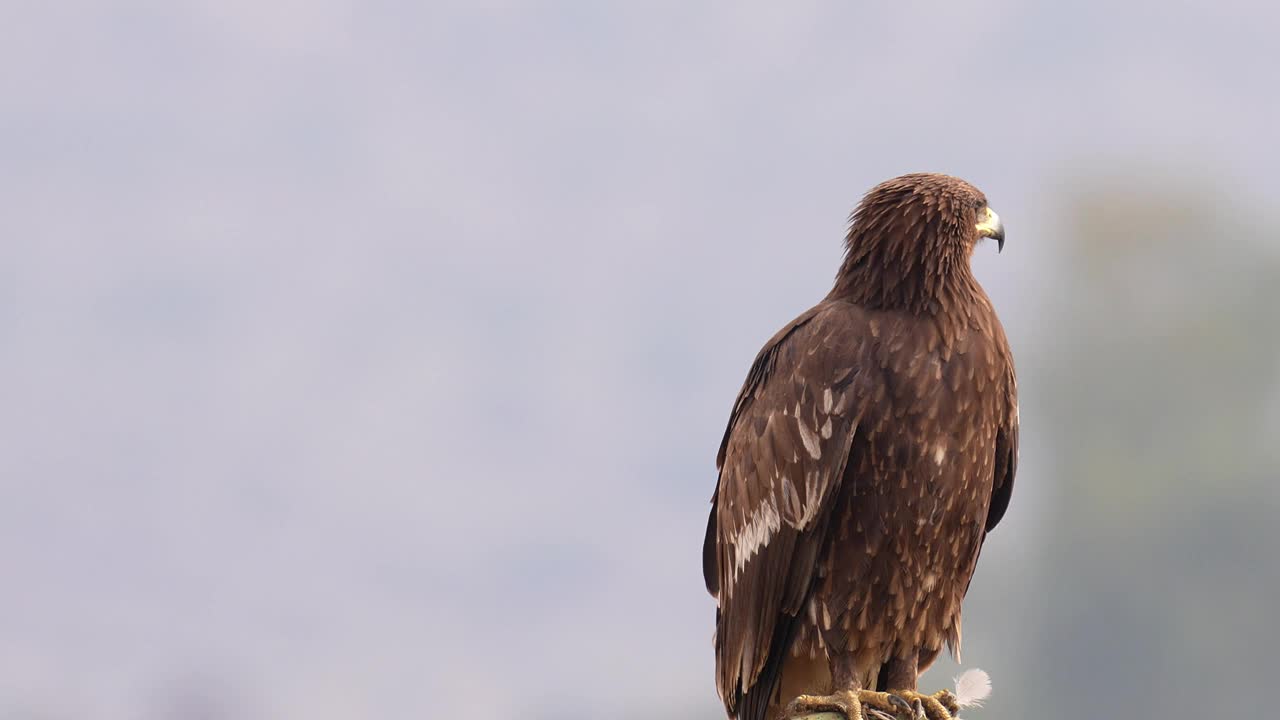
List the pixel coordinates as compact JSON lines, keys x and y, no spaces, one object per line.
{"x":1006,"y":465}
{"x":781,"y":462}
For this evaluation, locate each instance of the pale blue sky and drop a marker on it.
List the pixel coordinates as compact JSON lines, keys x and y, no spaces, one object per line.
{"x":362,"y":360}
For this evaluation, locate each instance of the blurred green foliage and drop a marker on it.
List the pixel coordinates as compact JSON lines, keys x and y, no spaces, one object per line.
{"x":1160,"y":568}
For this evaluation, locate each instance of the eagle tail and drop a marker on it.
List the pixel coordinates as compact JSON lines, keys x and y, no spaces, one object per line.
{"x":754,"y":704}
{"x":954,"y":636}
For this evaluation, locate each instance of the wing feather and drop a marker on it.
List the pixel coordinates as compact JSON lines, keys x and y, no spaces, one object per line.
{"x":781,"y":461}
{"x":1006,"y":465}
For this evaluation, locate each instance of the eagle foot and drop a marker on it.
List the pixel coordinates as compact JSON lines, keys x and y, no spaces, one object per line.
{"x":872,"y":705}
{"x":941,"y":705}
{"x":851,"y":704}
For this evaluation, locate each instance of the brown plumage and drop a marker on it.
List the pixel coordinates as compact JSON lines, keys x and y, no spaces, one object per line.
{"x":870,"y":450}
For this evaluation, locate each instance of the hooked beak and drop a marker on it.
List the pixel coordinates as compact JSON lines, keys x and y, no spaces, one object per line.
{"x":991,"y":227}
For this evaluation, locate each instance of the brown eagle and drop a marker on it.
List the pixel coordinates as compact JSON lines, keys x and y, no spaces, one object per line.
{"x":870,"y":450}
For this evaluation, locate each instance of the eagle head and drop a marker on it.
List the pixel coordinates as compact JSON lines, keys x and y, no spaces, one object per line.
{"x":928,"y":207}
{"x":911,"y":237}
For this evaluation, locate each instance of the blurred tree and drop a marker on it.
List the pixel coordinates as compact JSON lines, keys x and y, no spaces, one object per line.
{"x":1160,"y":570}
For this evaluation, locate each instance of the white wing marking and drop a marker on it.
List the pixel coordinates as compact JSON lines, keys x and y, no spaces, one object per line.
{"x":755,"y":532}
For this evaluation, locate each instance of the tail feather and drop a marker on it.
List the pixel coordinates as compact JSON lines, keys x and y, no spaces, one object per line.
{"x":754,"y":703}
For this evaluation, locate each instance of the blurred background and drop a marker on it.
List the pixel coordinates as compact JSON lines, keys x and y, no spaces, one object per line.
{"x":369,"y":360}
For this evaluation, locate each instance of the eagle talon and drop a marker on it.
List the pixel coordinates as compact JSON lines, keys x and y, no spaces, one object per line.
{"x":948,"y":701}
{"x":846,"y":703}
{"x":885,"y":702}
{"x":938,"y":706}
{"x":901,"y":704}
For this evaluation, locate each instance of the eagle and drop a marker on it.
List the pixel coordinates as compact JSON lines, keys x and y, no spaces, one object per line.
{"x":869,"y":452}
